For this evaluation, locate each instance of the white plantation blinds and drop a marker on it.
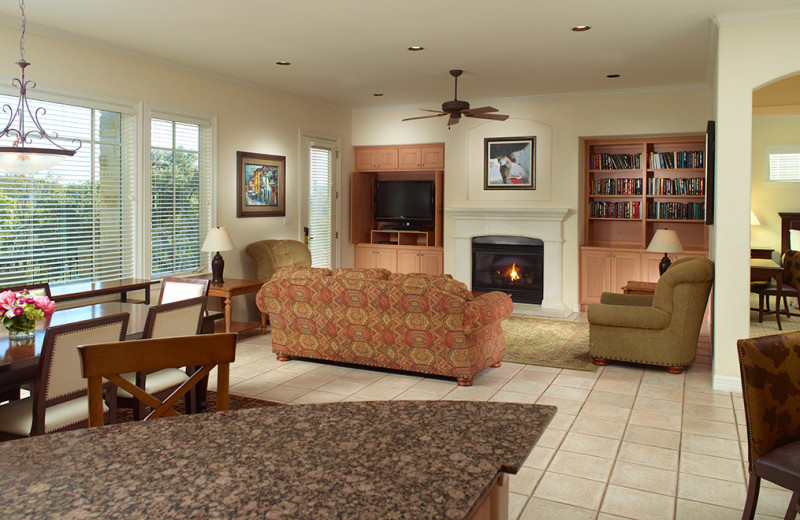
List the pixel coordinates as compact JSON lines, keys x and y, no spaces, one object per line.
{"x":783,"y":163}
{"x":73,"y":222}
{"x":321,"y":206}
{"x":180,"y":178}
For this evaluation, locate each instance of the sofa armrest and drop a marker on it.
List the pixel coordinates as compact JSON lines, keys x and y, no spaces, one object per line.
{"x":643,"y":300}
{"x":635,"y":317}
{"x":485,"y":310}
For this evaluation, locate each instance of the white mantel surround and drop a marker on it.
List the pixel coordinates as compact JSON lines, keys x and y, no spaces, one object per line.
{"x":542,"y":223}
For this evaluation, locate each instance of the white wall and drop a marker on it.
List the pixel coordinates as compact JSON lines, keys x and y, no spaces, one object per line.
{"x":248,"y":120}
{"x":748,"y":56}
{"x":559,"y":126}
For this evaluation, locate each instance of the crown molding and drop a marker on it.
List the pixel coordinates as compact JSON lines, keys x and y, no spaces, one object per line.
{"x":776,"y":111}
{"x":772,"y":14}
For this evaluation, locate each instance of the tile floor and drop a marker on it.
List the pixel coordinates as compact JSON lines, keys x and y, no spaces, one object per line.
{"x":627,"y":442}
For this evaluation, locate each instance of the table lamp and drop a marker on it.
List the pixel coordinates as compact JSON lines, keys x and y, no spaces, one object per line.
{"x":754,"y":219}
{"x":217,"y":240}
{"x":665,"y":240}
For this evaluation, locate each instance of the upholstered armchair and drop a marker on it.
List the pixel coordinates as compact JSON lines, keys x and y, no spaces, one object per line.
{"x":661,"y":329}
{"x":267,"y":256}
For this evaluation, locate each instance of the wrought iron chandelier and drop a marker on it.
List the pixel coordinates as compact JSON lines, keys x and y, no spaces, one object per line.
{"x":19,"y":157}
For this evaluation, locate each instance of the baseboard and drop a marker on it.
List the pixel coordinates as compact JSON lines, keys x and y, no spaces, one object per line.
{"x":727,"y":384}
{"x":557,"y":310}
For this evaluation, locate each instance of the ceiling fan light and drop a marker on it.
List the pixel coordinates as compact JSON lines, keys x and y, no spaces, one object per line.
{"x":416,"y":48}
{"x":30,"y":160}
{"x":581,"y":28}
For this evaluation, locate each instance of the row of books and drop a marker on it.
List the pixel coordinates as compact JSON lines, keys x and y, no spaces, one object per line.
{"x":690,"y":186}
{"x":617,"y":187}
{"x":598,"y":209}
{"x":615,"y":161}
{"x":676,"y":210}
{"x":669,"y":160}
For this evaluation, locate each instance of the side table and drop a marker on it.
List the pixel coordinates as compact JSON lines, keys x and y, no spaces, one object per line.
{"x":233,"y":287}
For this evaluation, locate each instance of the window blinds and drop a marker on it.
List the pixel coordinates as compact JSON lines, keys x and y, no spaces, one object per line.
{"x":784,"y":164}
{"x":321,"y":206}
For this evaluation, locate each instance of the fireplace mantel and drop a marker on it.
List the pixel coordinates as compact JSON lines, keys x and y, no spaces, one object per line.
{"x":542,"y":223}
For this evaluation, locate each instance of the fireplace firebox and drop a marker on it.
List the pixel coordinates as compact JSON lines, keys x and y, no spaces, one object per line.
{"x":511,"y":264}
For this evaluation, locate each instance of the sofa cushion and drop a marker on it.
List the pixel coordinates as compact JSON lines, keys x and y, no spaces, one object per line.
{"x":301,"y":272}
{"x":417,"y":283}
{"x":362,"y":273}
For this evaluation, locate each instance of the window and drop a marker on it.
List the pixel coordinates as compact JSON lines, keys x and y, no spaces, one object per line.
{"x":180,"y":182}
{"x":73,"y":222}
{"x":783,"y":163}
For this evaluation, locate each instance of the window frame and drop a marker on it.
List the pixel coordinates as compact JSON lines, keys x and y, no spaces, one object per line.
{"x":776,"y":149}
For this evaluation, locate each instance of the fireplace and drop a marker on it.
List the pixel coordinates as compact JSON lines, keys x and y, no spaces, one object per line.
{"x":511,"y":264}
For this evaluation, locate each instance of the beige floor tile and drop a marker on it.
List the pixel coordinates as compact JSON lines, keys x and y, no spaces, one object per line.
{"x":401,"y":382}
{"x":535,"y":376}
{"x":540,"y":509}
{"x":657,"y":405}
{"x":503,"y":396}
{"x":317,"y":396}
{"x":569,"y":379}
{"x":655,"y":420}
{"x":581,"y":465}
{"x":485,"y":379}
{"x":617,"y":386}
{"x":715,"y":447}
{"x":551,"y":438}
{"x":612,"y":398}
{"x":710,"y":428}
{"x":340,"y":386}
{"x":605,"y":411}
{"x":773,"y":502}
{"x":524,"y":481}
{"x":564,"y":405}
{"x":540,"y":457}
{"x":711,"y":491}
{"x":275,"y":376}
{"x":375,"y":392}
{"x":690,"y":510}
{"x":590,"y":445}
{"x":599,"y":427}
{"x":507,"y":369}
{"x":246,"y":371}
{"x":566,"y":392}
{"x":298,"y":367}
{"x":250,"y":388}
{"x":362,"y":376}
{"x":660,"y":377}
{"x":657,"y":437}
{"x":433,"y":386}
{"x":633,"y":503}
{"x":714,"y":467}
{"x":310,"y":380}
{"x":644,"y":478}
{"x":333,"y":370}
{"x":713,"y":413}
{"x":648,"y":455}
{"x":562,"y":421}
{"x":471,"y":393}
{"x":525,"y":387}
{"x":710,"y":399}
{"x":623,"y":372}
{"x":414,"y":395}
{"x":606,"y":516}
{"x":516,"y":503}
{"x":283,"y":393}
{"x":541,"y":368}
{"x":570,"y":490}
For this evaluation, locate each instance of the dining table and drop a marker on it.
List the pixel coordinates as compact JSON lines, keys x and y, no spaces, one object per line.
{"x":349,"y":460}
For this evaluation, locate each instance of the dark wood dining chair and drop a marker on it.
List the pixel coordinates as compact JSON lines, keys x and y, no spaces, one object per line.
{"x":59,"y":399}
{"x":769,"y":367}
{"x":179,"y":318}
{"x":790,"y":287}
{"x":111,"y":360}
{"x":34,"y":288}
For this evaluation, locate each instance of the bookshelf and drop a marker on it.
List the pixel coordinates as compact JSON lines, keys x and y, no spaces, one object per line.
{"x":634,"y":187}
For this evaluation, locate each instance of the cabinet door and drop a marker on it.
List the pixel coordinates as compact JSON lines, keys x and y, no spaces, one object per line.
{"x":366,"y":158}
{"x":364,"y":256}
{"x":431,"y":262}
{"x":624,"y":268}
{"x":432,"y":157}
{"x":387,"y":158}
{"x":409,"y":157}
{"x":386,"y":258}
{"x":408,"y":261}
{"x":595,"y":274}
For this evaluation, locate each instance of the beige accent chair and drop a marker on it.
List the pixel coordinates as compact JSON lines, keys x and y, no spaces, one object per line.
{"x":59,"y":400}
{"x":176,"y":289}
{"x":267,"y":256}
{"x":661,"y":329}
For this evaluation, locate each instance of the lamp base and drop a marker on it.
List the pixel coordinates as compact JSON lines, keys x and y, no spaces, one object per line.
{"x":662,"y":266}
{"x":217,"y":266}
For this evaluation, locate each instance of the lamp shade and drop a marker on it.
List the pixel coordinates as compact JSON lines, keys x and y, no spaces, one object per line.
{"x":665,"y":241}
{"x":754,"y":219}
{"x":218,"y":239}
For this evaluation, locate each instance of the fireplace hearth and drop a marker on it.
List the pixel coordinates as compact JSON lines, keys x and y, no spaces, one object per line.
{"x":510,"y":264}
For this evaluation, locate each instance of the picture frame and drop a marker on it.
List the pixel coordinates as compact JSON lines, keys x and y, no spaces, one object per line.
{"x":261,"y":185}
{"x":710,"y":163}
{"x":509,"y":163}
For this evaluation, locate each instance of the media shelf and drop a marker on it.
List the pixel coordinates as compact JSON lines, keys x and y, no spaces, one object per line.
{"x":402,"y":238}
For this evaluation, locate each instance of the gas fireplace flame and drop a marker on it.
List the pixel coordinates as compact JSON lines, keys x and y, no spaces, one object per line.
{"x":513,"y":274}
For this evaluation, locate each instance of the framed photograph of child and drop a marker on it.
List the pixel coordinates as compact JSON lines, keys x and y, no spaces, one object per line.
{"x":261,"y":185}
{"x":509,"y":163}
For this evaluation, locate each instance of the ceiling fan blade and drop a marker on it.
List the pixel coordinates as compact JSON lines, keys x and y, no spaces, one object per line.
{"x":496,"y":117}
{"x":435,"y":111}
{"x":454,"y":118}
{"x":481,"y":110}
{"x":425,"y":117}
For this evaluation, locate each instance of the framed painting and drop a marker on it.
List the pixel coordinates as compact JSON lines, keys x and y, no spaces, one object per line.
{"x":509,"y":163}
{"x":261,"y":185}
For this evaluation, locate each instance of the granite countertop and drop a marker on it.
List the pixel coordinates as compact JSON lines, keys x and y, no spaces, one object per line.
{"x":365,"y":460}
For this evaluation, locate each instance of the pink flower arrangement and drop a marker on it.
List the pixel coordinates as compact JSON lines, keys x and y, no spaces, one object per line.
{"x":21,"y":310}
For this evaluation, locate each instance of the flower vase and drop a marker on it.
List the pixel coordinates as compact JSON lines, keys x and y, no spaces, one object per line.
{"x":21,"y":334}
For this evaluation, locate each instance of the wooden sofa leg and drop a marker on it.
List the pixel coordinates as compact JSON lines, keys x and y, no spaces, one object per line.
{"x":464,"y":381}
{"x":283,"y":357}
{"x":675,"y":370}
{"x":496,"y":364}
{"x":601,"y":362}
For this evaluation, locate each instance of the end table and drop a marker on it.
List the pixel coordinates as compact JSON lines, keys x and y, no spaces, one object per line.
{"x":234,"y":287}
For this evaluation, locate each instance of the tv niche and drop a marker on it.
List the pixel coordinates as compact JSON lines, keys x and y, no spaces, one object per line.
{"x":405,"y":205}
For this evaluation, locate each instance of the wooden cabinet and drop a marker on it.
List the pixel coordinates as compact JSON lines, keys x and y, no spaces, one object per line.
{"x":427,"y":157}
{"x":372,"y":256}
{"x":376,"y":158}
{"x":610,"y":270}
{"x":399,"y":260}
{"x":402,"y":157}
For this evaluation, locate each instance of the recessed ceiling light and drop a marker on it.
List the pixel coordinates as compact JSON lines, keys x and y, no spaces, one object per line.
{"x":613,"y":76}
{"x":377,"y":95}
{"x":282,"y":63}
{"x":581,"y":28}
{"x":415,"y":48}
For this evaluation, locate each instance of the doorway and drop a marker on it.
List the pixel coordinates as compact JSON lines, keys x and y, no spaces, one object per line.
{"x":320,"y":159}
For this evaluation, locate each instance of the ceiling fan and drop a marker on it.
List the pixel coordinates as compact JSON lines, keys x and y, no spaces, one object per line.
{"x":457,"y":108}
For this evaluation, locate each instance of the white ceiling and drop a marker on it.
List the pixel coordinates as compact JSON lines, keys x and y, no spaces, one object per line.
{"x":343,"y":51}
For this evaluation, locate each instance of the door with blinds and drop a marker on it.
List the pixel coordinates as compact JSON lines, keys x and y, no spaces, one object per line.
{"x":321,"y":200}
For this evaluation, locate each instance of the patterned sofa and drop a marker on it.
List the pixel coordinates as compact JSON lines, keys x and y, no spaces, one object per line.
{"x":417,"y":323}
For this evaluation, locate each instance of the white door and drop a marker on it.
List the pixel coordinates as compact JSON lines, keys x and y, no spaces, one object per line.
{"x":320,"y":217}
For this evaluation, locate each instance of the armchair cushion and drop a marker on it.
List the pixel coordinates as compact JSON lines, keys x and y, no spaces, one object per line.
{"x":268,"y":256}
{"x":633,"y":316}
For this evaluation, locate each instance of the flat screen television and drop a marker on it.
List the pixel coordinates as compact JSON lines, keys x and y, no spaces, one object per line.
{"x":406,"y":204}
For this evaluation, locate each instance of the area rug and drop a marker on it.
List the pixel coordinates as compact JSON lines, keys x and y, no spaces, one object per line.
{"x":553,"y":343}
{"x":235,"y":402}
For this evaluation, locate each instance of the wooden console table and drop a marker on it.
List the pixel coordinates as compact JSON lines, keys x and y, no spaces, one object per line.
{"x":75,"y":291}
{"x":634,"y":287}
{"x":227,"y":290}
